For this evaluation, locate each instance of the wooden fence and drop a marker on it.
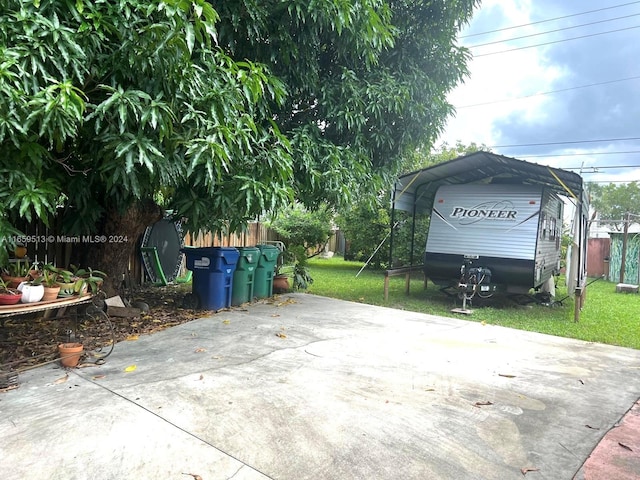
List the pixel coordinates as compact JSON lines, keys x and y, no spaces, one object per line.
{"x":255,"y":234}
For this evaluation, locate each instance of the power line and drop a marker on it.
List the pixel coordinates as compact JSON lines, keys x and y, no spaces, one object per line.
{"x":551,"y":31}
{"x":548,"y":93}
{"x":606,"y":167}
{"x":555,"y":41}
{"x":565,"y":143}
{"x":548,"y":20}
{"x":612,"y":181}
{"x":579,"y":154}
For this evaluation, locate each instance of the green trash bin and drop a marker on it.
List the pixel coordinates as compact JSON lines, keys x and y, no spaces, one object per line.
{"x":243,"y":277}
{"x":263,"y":278}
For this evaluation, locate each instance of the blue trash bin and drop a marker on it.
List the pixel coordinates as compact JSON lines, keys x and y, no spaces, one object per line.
{"x":212,"y":280}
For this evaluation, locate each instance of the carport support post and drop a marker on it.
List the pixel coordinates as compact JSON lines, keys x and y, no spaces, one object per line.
{"x":393,"y":219}
{"x":413,"y":236}
{"x":578,"y":305}
{"x":625,"y":239}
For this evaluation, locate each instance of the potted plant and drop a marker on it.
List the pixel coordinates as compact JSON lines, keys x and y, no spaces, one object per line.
{"x":293,"y":263}
{"x":16,"y":273}
{"x":69,"y":283}
{"x":32,"y":291}
{"x":93,"y":279}
{"x":8,"y":296}
{"x":281,"y":273}
{"x":49,"y":280}
{"x":280,"y":281}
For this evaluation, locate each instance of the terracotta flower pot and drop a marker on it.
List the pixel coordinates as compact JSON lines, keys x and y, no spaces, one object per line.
{"x":280,"y":284}
{"x":70,"y":354}
{"x":50,"y":293}
{"x":13,"y":282}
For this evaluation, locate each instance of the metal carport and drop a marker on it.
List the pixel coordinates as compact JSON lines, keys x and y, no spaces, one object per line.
{"x":415,"y":192}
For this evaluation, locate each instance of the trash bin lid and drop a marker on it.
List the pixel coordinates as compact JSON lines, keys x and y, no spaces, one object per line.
{"x":269,"y":252}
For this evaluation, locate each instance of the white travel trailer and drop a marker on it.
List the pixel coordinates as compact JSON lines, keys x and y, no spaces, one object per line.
{"x":495,"y":236}
{"x":495,"y":222}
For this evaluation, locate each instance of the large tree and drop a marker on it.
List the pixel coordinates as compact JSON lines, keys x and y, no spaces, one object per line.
{"x":218,"y":110}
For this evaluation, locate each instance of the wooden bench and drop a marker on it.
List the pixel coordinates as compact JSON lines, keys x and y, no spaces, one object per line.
{"x":406,"y":271}
{"x":59,"y":306}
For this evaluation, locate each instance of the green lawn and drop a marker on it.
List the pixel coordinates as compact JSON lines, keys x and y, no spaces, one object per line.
{"x":607,"y":316}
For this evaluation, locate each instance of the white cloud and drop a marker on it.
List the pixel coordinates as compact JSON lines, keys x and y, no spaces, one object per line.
{"x":498,"y":77}
{"x":605,"y":111}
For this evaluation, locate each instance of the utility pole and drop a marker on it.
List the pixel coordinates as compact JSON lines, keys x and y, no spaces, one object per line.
{"x":625,"y":236}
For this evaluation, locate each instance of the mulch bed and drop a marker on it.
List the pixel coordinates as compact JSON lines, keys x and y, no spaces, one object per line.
{"x":27,"y":341}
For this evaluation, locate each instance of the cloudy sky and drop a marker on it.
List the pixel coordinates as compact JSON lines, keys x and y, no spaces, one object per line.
{"x":594,"y":82}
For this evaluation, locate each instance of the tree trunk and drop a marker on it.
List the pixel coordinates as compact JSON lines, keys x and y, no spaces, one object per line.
{"x":114,"y":246}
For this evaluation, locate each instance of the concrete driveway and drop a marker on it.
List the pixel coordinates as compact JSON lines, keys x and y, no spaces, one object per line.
{"x":313,"y":388}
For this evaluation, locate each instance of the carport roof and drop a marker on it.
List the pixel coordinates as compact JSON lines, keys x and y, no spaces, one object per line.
{"x":419,"y":188}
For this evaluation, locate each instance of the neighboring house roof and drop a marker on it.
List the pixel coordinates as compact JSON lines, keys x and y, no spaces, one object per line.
{"x":419,"y":188}
{"x":633,"y":229}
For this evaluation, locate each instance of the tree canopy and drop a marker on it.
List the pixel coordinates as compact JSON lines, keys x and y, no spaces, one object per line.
{"x":216,"y":110}
{"x":612,"y":202}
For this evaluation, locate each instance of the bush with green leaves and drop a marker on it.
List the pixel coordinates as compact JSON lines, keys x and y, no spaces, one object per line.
{"x":365,"y":229}
{"x":305,"y":230}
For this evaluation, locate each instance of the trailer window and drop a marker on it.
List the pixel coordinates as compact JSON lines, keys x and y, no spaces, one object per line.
{"x":553,"y":230}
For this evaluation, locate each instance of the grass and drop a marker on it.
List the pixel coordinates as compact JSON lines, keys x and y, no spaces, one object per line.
{"x":607,"y":317}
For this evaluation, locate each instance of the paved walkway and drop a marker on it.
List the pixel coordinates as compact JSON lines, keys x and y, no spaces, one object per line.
{"x":314,"y":388}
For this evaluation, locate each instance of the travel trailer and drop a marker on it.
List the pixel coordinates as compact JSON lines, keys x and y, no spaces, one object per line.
{"x":494,"y":237}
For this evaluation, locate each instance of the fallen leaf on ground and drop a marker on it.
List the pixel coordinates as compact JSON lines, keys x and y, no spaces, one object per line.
{"x":195,"y":477}
{"x":480,"y":404}
{"x":526,"y":470}
{"x":200,"y":350}
{"x":226,"y":322}
{"x":281,"y":335}
{"x":275,"y":315}
{"x":201,"y":377}
{"x":505,"y":375}
{"x":288,"y":301}
{"x":130,"y":368}
{"x":61,"y":380}
{"x":132,"y":338}
{"x":97,"y":377}
{"x":627,"y":447}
